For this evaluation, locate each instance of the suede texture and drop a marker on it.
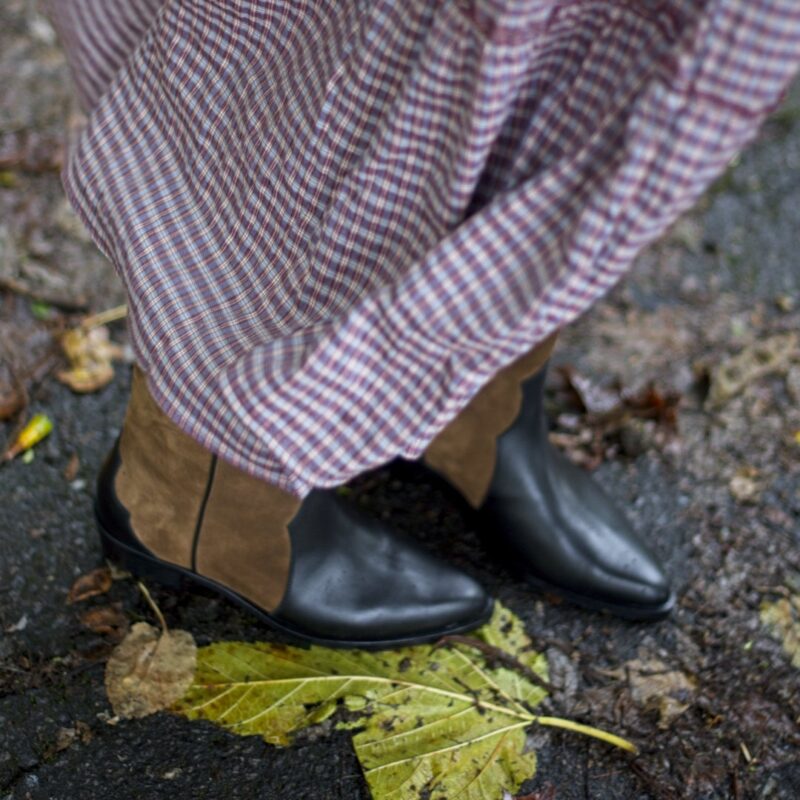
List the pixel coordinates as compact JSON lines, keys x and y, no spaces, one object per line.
{"x":465,"y":451}
{"x":167,"y":480}
{"x":162,"y":477}
{"x":244,"y":541}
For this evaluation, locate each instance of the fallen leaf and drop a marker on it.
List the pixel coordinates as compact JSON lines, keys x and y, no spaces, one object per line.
{"x":149,"y":670}
{"x":767,"y":356}
{"x":783,"y":620}
{"x":42,"y":311}
{"x":655,"y":686}
{"x":39,"y":427}
{"x":117,"y":573}
{"x":66,"y":737}
{"x":439,"y":721}
{"x":106,"y":621}
{"x":593,"y":397}
{"x":8,"y":179}
{"x":613,"y":419}
{"x":98,"y":581}
{"x":91,"y":353}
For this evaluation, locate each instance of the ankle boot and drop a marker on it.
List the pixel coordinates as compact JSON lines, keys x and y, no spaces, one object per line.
{"x":554,"y":526}
{"x":317,"y":569}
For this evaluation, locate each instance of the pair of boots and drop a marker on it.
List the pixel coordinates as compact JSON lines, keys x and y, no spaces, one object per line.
{"x":320,"y":570}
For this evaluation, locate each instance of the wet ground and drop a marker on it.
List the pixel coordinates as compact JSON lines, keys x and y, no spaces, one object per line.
{"x":719,"y":499}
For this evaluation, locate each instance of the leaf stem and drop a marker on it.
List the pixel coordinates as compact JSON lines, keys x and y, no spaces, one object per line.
{"x":156,"y":609}
{"x":104,"y":317}
{"x":587,"y":730}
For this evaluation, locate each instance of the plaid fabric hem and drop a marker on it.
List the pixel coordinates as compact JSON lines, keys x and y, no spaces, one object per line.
{"x":336,"y":221}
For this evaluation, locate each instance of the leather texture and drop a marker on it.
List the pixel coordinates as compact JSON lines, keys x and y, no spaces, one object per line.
{"x":318,"y":568}
{"x":351,"y":573}
{"x":464,"y":451}
{"x":559,"y":526}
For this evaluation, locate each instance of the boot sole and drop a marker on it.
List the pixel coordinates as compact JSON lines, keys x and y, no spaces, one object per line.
{"x":172,"y":576}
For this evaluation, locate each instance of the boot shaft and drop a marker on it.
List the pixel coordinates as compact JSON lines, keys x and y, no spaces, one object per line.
{"x":190,"y":508}
{"x":465,"y":451}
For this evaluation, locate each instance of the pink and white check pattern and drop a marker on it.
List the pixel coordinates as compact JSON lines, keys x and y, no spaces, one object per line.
{"x":337,"y":220}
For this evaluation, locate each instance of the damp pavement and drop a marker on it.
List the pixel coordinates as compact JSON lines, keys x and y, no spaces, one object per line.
{"x":724,"y":279}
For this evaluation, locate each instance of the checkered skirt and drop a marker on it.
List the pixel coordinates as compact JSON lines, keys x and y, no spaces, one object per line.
{"x":336,"y":220}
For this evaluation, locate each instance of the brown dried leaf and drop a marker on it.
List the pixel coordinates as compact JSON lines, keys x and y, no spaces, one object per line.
{"x":90,"y":353}
{"x":654,"y":685}
{"x":593,"y":398}
{"x":650,"y":403}
{"x":149,"y":670}
{"x":98,"y":581}
{"x":613,"y":418}
{"x":106,"y":621}
{"x":66,"y":737}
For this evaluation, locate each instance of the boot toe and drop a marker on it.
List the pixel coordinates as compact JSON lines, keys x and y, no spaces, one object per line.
{"x":355,"y":581}
{"x":376,"y":611}
{"x":460,"y":601}
{"x":582,"y":548}
{"x":638,"y":589}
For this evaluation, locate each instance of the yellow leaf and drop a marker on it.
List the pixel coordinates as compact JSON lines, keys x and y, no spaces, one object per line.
{"x":37,"y":429}
{"x":91,"y":353}
{"x":442,"y":722}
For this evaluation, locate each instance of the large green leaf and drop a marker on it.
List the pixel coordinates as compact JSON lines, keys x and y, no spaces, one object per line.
{"x":433,"y":721}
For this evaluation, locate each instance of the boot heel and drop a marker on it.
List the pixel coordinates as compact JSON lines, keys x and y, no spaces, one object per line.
{"x":140,"y":564}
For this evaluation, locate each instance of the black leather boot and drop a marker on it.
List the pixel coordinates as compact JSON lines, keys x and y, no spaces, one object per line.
{"x":318,"y":570}
{"x":554,"y":526}
{"x":559,"y":528}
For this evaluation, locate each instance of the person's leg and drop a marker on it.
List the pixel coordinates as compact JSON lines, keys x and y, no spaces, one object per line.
{"x":317,"y":568}
{"x":312,"y":310}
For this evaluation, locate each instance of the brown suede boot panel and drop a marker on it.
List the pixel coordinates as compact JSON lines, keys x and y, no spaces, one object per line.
{"x":162,"y":478}
{"x":464,"y":451}
{"x":244,"y":541}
